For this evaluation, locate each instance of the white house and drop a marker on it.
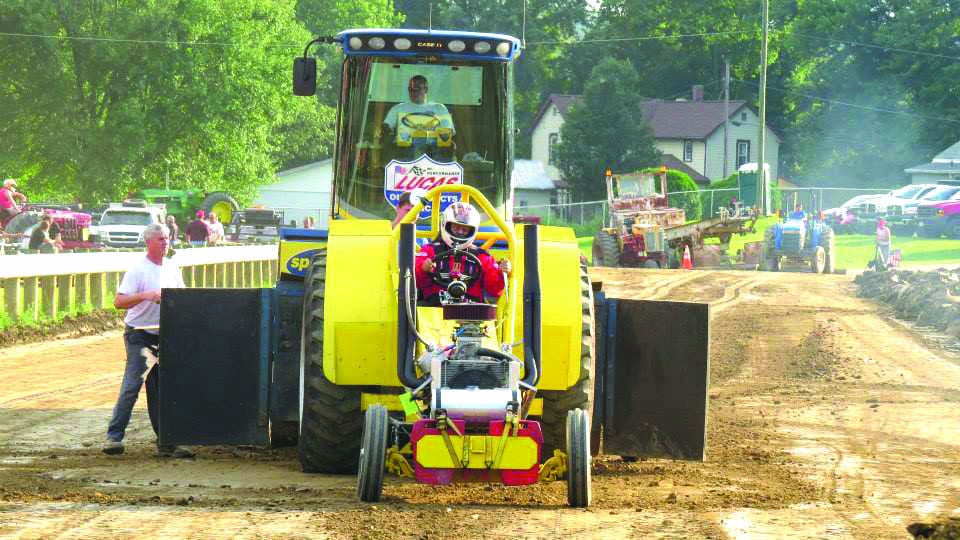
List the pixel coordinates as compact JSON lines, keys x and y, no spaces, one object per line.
{"x":300,"y":192}
{"x":943,"y":166}
{"x":689,"y":133}
{"x":305,"y":190}
{"x":533,"y":187}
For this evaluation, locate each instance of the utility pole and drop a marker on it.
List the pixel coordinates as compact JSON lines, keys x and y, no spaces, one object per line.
{"x":726,"y":112}
{"x":761,"y":175}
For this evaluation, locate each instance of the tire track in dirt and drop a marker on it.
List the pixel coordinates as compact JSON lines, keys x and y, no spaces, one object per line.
{"x":660,"y":291}
{"x":734,"y":294}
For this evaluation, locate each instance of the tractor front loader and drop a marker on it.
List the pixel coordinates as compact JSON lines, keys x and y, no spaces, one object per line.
{"x":343,"y":359}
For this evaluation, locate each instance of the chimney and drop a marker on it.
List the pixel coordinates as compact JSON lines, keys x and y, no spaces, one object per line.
{"x":698,"y":92}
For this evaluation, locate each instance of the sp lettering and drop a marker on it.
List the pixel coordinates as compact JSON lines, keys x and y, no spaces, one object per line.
{"x":297,"y":264}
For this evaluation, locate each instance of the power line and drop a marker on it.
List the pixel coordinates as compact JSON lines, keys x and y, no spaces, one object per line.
{"x":852,"y":105}
{"x":140,"y":41}
{"x":639,"y":38}
{"x":874,"y":46}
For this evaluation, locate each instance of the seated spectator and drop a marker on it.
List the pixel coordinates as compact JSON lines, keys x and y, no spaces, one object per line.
{"x":54,"y":234}
{"x":40,"y":237}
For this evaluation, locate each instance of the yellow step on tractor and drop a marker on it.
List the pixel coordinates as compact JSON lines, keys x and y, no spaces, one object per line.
{"x":370,"y":363}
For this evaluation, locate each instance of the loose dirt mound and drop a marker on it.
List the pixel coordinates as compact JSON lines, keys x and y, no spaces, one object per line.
{"x":947,"y":530}
{"x":81,"y":325}
{"x":931,"y":299}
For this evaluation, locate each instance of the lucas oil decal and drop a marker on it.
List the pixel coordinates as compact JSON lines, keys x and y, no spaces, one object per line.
{"x":298,"y":263}
{"x":422,"y":174}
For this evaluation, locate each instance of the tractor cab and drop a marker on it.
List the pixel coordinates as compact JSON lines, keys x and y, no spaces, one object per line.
{"x":418,"y":110}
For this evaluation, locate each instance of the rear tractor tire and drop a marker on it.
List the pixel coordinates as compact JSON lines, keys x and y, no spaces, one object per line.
{"x":771,"y":261}
{"x":818,"y":261}
{"x":331,"y":422}
{"x":606,"y":250}
{"x":829,"y":246}
{"x":221,"y":204}
{"x":578,"y":459}
{"x":373,"y":453}
{"x":557,"y":403}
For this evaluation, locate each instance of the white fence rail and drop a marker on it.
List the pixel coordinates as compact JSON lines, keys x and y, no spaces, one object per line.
{"x":63,"y":283}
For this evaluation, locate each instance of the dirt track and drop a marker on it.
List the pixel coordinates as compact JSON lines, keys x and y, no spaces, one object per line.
{"x":827,"y":420}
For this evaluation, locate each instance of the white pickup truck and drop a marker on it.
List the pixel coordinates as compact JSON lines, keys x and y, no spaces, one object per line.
{"x":122,"y":224}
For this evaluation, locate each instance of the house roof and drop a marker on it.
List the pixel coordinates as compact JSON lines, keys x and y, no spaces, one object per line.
{"x":671,"y":161}
{"x":950,"y":154}
{"x":686,"y":119}
{"x":669,"y":119}
{"x":947,"y":161}
{"x":561,"y":101}
{"x":530,"y":174}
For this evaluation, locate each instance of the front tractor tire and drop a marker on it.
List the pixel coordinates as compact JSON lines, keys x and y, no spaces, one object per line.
{"x":331,"y":422}
{"x":373,"y":453}
{"x":830,"y":247}
{"x":557,"y":403}
{"x":606,"y":250}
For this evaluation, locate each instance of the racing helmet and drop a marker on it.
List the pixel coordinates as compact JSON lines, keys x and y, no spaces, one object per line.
{"x":463,"y":216}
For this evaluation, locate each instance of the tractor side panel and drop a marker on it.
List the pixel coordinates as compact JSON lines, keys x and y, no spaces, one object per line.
{"x":561,"y":317}
{"x":360,"y":306}
{"x":214,"y":378}
{"x":654,"y":372}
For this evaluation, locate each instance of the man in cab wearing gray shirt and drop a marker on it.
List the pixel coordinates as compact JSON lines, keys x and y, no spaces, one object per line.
{"x":140,"y":293}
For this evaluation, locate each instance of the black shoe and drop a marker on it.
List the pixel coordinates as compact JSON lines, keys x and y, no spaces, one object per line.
{"x":178,"y":452}
{"x":112,"y":448}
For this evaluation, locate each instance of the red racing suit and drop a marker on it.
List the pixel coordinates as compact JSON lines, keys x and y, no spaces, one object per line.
{"x":487,"y":279}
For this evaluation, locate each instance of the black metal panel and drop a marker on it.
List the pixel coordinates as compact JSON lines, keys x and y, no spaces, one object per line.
{"x":287,"y":333}
{"x":654,"y":388}
{"x":214,"y":356}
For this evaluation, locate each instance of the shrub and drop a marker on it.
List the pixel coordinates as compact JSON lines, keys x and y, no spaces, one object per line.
{"x":681,"y":181}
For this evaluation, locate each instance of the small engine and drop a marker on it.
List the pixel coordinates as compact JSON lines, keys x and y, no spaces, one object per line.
{"x":469,"y":382}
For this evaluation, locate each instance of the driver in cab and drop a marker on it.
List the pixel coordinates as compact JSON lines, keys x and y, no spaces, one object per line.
{"x":453,"y":257}
{"x":419,"y":124}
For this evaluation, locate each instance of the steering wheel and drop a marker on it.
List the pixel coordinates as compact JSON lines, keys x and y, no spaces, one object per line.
{"x":421,"y":120}
{"x":452,"y":252}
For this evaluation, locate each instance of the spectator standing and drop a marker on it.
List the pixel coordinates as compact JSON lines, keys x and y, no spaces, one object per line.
{"x":197,"y":231}
{"x":140,"y":293}
{"x":883,"y":243}
{"x":40,"y":237}
{"x":215,"y":228}
{"x":173,"y":229}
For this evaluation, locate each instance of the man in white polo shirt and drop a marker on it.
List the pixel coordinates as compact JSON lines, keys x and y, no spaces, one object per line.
{"x":140,"y":293}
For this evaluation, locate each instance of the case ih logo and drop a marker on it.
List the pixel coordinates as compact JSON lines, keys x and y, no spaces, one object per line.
{"x":424,"y":173}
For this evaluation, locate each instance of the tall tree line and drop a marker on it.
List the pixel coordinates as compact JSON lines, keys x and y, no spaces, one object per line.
{"x":125,"y":94}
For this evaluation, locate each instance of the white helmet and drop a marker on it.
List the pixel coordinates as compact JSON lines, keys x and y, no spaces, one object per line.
{"x":465,"y":215}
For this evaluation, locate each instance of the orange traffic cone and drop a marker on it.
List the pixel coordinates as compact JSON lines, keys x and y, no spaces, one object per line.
{"x":687,"y":263}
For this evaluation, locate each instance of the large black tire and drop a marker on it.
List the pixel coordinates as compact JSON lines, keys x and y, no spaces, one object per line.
{"x":23,"y":222}
{"x":818,"y":261}
{"x":578,"y":459}
{"x":829,"y":246}
{"x":557,"y":403}
{"x":606,"y":250}
{"x":771,"y":262}
{"x":223,"y":204}
{"x":953,"y":228}
{"x":331,"y":422}
{"x":373,"y":453}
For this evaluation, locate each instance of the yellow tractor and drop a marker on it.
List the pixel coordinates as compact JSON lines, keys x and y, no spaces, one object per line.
{"x":346,"y":359}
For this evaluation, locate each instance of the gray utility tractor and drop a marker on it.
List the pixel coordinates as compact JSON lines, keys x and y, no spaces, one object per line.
{"x":804,"y":240}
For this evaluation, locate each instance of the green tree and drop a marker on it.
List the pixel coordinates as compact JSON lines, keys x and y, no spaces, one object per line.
{"x":606,"y":129}
{"x":538,"y":72}
{"x":132,"y":94}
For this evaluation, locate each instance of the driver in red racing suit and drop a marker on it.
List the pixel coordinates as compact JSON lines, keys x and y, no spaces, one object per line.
{"x":458,"y":228}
